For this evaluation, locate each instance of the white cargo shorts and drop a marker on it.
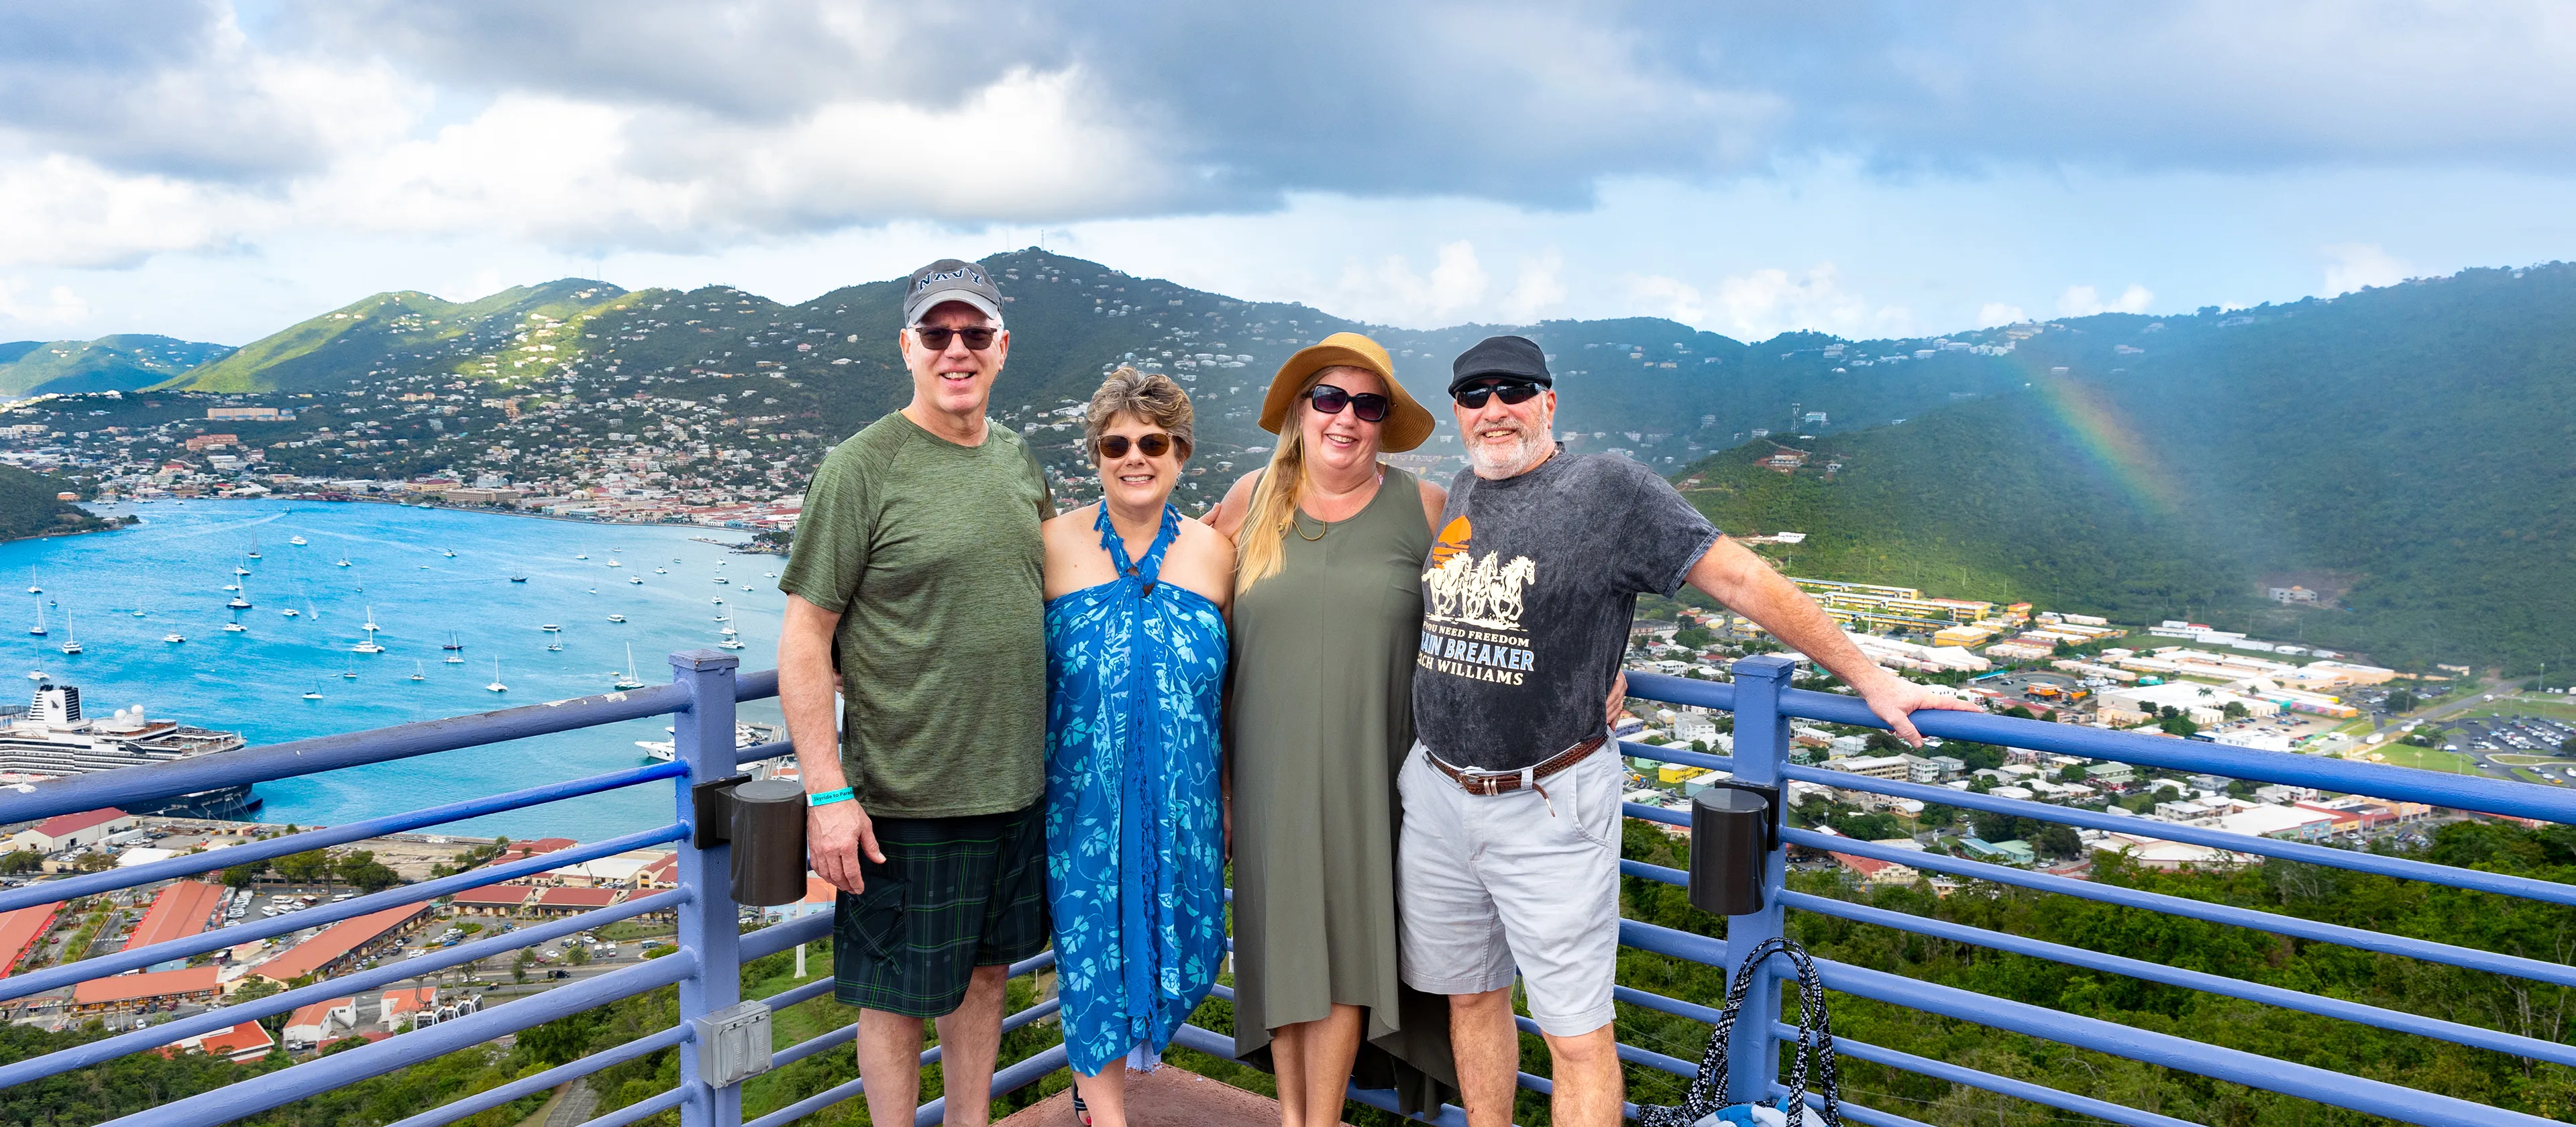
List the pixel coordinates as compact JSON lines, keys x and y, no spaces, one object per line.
{"x":1486,"y":884}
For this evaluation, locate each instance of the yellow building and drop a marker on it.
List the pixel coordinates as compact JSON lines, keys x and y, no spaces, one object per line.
{"x":1962,"y":636}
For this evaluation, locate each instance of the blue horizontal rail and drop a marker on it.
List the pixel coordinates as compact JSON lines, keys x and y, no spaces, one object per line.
{"x":2000,"y":1085}
{"x":135,"y":785}
{"x":2458,"y":792}
{"x":710,"y":954}
{"x":642,"y":1109}
{"x":234,"y":1101}
{"x":2471,"y":1035}
{"x":50,"y":978}
{"x":1005,"y":1081}
{"x":186,"y":865}
{"x":225,"y":1017}
{"x":2306,"y":1082}
{"x":560,"y":1074}
{"x":2404,"y":868}
{"x":2293,"y":926}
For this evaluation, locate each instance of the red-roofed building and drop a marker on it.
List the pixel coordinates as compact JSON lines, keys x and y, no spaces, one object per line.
{"x":659,"y":875}
{"x":522,"y":850}
{"x":1874,"y":871}
{"x":396,"y":1010}
{"x":566,"y":901}
{"x":320,"y":1022}
{"x":492,"y":900}
{"x":72,"y":831}
{"x":19,"y":931}
{"x":343,"y":943}
{"x":183,"y":909}
{"x":192,"y":984}
{"x":241,"y":1043}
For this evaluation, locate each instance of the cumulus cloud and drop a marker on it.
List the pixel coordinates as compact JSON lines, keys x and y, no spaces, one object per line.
{"x":1391,"y":290}
{"x":1538,"y":290}
{"x":58,"y":305}
{"x":594,"y":126}
{"x":2351,"y":266}
{"x":1765,"y":303}
{"x":2085,"y":301}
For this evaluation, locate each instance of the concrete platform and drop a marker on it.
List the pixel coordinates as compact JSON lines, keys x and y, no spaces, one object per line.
{"x":1166,"y":1097}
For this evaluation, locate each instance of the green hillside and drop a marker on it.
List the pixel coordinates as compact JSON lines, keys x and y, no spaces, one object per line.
{"x":1986,"y":500}
{"x":1682,"y":390}
{"x":391,"y":335}
{"x":122,"y":362}
{"x":29,"y":507}
{"x":2399,"y":449}
{"x":2402,"y":450}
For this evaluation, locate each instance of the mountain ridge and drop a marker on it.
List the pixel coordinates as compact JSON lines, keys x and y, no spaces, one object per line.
{"x":117,"y":362}
{"x":2404,"y":437}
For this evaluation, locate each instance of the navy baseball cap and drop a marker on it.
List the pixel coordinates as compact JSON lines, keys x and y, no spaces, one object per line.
{"x":1510,"y":358}
{"x":947,"y":280}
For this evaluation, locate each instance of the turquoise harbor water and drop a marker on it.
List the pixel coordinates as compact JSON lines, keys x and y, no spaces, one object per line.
{"x":174,"y":568}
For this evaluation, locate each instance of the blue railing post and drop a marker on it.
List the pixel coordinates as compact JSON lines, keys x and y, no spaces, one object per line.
{"x":703,"y":739}
{"x":1761,"y":746}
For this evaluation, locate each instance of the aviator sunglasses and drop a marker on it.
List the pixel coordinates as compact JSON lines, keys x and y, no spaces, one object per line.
{"x":1512,"y":392}
{"x":1369,"y":406}
{"x":1114,"y":446}
{"x":977,"y":339}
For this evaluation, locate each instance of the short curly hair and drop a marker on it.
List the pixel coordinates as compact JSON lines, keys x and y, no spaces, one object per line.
{"x":1153,"y":397}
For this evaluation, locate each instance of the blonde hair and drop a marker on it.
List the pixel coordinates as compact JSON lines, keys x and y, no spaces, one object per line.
{"x":1260,"y":545}
{"x":1153,"y":398}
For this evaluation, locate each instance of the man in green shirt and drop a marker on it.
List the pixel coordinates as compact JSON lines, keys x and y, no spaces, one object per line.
{"x":915,"y":579}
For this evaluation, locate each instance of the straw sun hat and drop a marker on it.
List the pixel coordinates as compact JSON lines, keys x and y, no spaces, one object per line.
{"x":1407,"y":424}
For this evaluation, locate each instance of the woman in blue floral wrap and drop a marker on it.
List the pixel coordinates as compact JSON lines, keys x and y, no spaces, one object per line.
{"x":1135,"y":823}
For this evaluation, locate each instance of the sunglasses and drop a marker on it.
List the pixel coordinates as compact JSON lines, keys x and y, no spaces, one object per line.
{"x":1513,"y":393}
{"x":977,"y":339}
{"x":1369,"y":406}
{"x":1114,"y":446}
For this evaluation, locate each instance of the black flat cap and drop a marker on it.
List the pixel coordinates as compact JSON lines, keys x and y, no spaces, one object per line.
{"x":1511,"y":358}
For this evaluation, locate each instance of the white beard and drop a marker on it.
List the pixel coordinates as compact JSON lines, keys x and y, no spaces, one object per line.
{"x":1496,"y":460}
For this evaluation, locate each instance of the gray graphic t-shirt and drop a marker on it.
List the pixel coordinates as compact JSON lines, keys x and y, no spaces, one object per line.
{"x":1526,"y":600}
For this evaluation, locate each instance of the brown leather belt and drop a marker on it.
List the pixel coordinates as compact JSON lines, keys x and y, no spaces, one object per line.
{"x":1496,"y":782}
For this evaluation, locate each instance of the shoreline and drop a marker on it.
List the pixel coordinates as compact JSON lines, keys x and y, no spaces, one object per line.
{"x":132,"y":503}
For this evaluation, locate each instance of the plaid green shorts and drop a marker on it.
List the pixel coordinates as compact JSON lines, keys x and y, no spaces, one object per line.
{"x":953,"y":894}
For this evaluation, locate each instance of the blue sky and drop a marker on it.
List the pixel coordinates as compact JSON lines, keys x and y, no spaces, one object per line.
{"x":219,"y":170}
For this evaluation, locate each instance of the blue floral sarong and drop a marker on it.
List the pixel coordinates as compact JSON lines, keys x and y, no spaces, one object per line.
{"x":1135,"y":845}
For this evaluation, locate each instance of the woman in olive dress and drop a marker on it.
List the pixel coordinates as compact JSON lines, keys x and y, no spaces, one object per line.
{"x":1329,"y":544}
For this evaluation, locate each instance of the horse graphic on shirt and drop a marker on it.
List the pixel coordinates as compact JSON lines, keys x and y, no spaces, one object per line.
{"x":1479,"y":590}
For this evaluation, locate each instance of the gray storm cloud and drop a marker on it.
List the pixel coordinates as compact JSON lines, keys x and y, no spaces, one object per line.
{"x":720,"y":121}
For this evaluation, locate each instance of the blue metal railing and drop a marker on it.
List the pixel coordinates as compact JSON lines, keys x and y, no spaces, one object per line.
{"x":711,"y":950}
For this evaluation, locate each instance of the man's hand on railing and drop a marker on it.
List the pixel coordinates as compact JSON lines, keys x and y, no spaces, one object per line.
{"x":835,"y":835}
{"x":1891,"y":697}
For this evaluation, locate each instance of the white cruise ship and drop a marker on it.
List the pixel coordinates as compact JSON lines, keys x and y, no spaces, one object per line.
{"x":49,"y":739}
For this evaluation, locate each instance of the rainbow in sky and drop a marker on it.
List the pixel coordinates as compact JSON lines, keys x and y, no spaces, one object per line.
{"x":2107,"y":438}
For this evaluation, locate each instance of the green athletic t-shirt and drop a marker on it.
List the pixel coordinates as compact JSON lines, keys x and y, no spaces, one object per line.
{"x":929,"y":551}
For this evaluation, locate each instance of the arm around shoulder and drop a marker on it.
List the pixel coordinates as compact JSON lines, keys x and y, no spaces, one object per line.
{"x":1228,"y":515}
{"x":1435,"y":500}
{"x":1202,"y":560}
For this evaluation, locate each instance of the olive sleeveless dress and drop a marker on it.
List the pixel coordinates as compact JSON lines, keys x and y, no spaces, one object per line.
{"x":1319,"y":722}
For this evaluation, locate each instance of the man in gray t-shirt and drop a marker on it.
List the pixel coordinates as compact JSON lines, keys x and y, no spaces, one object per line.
{"x":1510,"y":856}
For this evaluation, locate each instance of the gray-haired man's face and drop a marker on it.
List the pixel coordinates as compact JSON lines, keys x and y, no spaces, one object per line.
{"x":956,"y":380}
{"x":1506,"y":439}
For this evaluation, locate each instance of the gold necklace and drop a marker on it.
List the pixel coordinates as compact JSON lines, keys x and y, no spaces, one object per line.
{"x":1295,"y":515}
